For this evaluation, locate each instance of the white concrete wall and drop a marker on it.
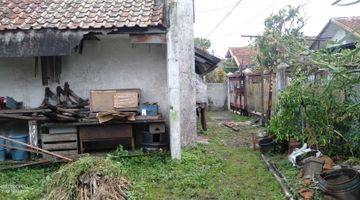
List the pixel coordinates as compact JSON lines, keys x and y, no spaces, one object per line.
{"x":112,"y":63}
{"x":217,"y":96}
{"x":201,"y":90}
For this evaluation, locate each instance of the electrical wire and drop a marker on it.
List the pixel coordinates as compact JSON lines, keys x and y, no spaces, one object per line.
{"x":223,"y":19}
{"x":243,"y":25}
{"x":338,"y":3}
{"x":253,"y":19}
{"x":215,"y":9}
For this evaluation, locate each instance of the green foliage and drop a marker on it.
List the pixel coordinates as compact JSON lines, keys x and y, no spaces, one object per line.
{"x":332,"y":108}
{"x":202,"y":43}
{"x":286,"y":124}
{"x":282,"y":36}
{"x":211,"y":171}
{"x":331,"y":102}
{"x":217,"y":76}
{"x":27,"y":183}
{"x":230,"y":65}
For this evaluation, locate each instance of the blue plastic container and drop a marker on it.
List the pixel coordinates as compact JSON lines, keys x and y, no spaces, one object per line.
{"x":2,"y":150}
{"x":19,"y":154}
{"x":2,"y":154}
{"x":151,"y":109}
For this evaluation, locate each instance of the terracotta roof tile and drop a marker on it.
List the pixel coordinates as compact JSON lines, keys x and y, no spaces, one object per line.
{"x":351,"y":22}
{"x":244,"y":56}
{"x":79,"y":14}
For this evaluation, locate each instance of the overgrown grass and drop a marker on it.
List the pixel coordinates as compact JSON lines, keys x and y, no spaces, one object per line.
{"x":214,"y":171}
{"x":26,"y":183}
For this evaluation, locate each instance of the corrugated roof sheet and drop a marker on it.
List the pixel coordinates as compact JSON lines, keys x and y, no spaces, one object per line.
{"x":79,"y":14}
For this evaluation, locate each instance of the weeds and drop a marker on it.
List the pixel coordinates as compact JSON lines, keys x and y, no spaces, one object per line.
{"x":214,"y":171}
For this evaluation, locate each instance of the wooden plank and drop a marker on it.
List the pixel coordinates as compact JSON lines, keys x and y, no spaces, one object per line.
{"x":102,"y":100}
{"x":20,"y":111}
{"x":16,"y":116}
{"x":62,"y":129}
{"x":126,"y":99}
{"x":107,"y":100}
{"x":59,"y":146}
{"x":33,"y":148}
{"x":68,"y":153}
{"x":59,"y":137}
{"x":105,"y":132}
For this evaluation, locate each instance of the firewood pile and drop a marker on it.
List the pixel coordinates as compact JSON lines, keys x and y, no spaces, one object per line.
{"x":94,"y":186}
{"x":64,"y":105}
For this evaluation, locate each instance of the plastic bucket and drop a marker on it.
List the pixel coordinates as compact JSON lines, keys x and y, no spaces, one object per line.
{"x":19,"y":154}
{"x":343,"y":184}
{"x":2,"y":150}
{"x":2,"y":154}
{"x":267,"y":145}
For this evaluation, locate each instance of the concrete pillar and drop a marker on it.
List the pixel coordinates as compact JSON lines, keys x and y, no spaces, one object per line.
{"x":181,"y":76}
{"x":228,"y":93}
{"x":281,"y":77}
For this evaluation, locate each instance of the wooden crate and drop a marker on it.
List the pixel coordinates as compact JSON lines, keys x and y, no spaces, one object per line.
{"x":117,"y":99}
{"x":65,"y":144}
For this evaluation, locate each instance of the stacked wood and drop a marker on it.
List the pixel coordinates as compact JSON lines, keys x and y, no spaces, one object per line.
{"x":65,"y":105}
{"x":61,"y":140}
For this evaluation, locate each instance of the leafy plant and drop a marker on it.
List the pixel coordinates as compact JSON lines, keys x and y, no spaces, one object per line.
{"x":331,"y":103}
{"x":202,"y":43}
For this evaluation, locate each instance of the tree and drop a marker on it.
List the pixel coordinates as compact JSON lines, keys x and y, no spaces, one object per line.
{"x":202,"y":43}
{"x":282,"y":34}
{"x":217,"y":76}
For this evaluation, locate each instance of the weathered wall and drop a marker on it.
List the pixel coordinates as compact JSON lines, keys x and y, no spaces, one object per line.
{"x":217,"y":96}
{"x":201,"y":90}
{"x":110,"y":63}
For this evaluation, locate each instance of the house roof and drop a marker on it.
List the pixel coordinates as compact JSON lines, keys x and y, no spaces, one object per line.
{"x":205,"y":62}
{"x":351,"y":24}
{"x":243,"y":56}
{"x":79,"y":14}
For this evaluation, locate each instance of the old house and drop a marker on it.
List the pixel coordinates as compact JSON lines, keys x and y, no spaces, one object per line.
{"x":100,"y":45}
{"x":339,"y":32}
{"x":244,"y":57}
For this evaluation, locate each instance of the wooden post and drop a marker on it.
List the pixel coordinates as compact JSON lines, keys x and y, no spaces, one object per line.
{"x":33,"y":133}
{"x":262,"y":99}
{"x":270,"y":96}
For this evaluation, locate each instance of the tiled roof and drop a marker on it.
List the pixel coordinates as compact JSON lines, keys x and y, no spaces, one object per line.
{"x":79,"y":14}
{"x":244,"y":56}
{"x":352,"y":23}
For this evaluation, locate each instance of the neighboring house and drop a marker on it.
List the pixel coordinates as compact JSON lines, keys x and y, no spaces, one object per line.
{"x":342,"y":32}
{"x":244,"y":57}
{"x":102,"y":44}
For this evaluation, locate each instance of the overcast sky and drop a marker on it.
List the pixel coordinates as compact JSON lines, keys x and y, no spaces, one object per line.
{"x":249,"y":15}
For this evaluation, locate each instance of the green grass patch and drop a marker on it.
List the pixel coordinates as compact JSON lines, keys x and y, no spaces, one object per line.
{"x":214,"y":171}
